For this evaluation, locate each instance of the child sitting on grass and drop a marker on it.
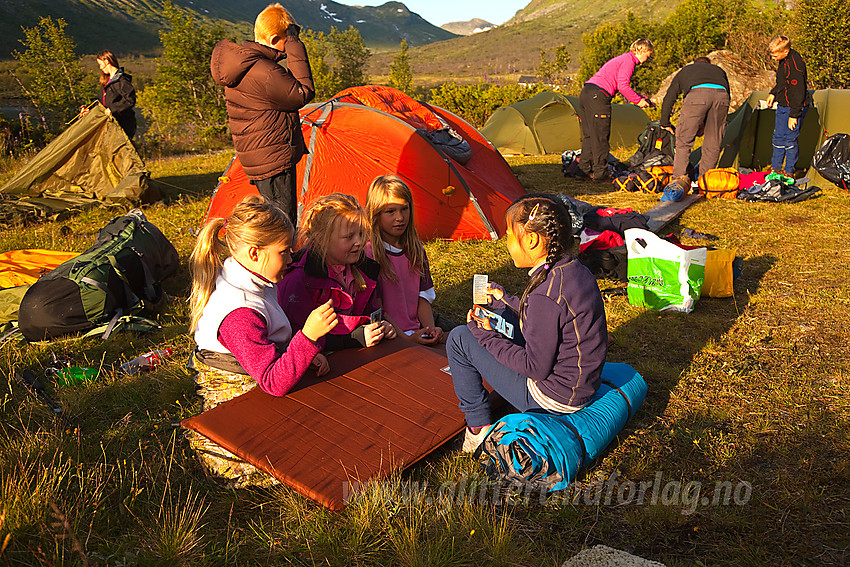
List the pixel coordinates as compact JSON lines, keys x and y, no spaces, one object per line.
{"x":330,"y":266}
{"x":244,"y":338}
{"x":561,"y":317}
{"x":406,"y":286}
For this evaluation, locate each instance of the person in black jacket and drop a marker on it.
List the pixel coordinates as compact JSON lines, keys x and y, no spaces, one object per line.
{"x":705,"y":89}
{"x":790,"y":96}
{"x":117,"y":92}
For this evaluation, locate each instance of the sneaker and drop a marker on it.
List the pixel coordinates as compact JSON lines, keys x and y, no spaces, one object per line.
{"x":471,"y":440}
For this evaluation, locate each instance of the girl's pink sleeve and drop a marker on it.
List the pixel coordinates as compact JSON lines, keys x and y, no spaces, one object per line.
{"x":243,"y":332}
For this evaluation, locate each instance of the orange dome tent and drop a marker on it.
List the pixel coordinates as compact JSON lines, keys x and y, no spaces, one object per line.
{"x":368,"y":131}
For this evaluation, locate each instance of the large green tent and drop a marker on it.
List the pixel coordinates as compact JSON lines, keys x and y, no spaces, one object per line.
{"x":749,"y":131}
{"x":91,"y":162}
{"x":548,"y":123}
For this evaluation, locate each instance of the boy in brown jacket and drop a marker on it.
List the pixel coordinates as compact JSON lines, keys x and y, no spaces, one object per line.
{"x":263,"y":99}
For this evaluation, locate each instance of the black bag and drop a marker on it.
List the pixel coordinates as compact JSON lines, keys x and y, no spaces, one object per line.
{"x":104,"y":288}
{"x":655,"y":147}
{"x":832,"y":160}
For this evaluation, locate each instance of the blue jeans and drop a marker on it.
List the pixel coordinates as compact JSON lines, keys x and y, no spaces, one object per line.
{"x":785,"y":145}
{"x":469,"y":361}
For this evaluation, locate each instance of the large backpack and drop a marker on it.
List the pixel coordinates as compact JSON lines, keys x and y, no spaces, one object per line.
{"x":655,"y":147}
{"x":105,"y":287}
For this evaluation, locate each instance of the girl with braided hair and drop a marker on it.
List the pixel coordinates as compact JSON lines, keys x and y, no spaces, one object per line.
{"x":556,"y":366}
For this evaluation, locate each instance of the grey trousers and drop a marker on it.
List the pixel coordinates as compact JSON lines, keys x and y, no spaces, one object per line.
{"x":704,"y":109}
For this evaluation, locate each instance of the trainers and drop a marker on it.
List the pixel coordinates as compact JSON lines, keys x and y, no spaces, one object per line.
{"x":471,"y":440}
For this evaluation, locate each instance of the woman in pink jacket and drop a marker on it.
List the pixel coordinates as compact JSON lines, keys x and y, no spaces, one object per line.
{"x":595,"y":106}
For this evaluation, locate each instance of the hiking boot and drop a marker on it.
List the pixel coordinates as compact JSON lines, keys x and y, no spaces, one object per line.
{"x":602,"y":178}
{"x":471,"y":440}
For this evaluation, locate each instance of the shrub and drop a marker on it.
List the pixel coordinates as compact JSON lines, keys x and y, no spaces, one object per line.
{"x":475,"y":103}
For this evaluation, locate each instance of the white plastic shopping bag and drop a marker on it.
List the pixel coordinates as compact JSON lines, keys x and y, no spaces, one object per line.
{"x":662,"y":275}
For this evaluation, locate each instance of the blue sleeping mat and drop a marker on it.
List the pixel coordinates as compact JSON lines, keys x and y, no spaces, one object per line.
{"x":544,"y":451}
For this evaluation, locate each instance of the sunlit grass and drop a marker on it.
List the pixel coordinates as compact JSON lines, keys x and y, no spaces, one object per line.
{"x":750,"y":388}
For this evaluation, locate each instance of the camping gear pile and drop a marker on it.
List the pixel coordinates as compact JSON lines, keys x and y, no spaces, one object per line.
{"x":462,"y":186}
{"x":543,"y":452}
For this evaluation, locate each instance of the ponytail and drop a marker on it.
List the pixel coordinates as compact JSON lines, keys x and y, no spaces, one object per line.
{"x":548,"y":218}
{"x":205,"y":263}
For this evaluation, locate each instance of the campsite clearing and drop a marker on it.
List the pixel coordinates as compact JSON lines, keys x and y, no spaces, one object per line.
{"x":747,"y":399}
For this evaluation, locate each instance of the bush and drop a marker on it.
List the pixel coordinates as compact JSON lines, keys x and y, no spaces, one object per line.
{"x":475,"y":103}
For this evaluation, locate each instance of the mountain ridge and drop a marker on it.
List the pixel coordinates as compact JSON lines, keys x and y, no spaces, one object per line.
{"x":132,"y":26}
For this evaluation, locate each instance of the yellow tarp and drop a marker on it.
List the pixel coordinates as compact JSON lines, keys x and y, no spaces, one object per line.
{"x":23,"y":267}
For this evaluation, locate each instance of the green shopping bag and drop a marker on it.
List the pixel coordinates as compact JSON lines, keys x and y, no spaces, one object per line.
{"x":661,"y":275}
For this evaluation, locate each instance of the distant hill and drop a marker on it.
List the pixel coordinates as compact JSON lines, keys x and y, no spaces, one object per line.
{"x":475,"y":25}
{"x":131,"y":26}
{"x":514,"y":47}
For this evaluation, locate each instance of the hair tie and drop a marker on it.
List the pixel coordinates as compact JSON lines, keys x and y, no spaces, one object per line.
{"x":533,"y":213}
{"x":546,"y":266}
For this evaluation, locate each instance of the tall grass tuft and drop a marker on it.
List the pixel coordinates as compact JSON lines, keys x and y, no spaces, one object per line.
{"x":176,"y":537}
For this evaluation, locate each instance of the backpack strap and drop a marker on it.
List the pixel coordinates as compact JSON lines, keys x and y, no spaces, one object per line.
{"x":123,"y":323}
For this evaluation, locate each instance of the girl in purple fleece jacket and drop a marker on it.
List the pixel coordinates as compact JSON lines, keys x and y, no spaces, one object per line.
{"x":556,"y":366}
{"x":240,"y":329}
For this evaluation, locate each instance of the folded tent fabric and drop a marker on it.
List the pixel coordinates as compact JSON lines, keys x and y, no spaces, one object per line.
{"x":545,"y":451}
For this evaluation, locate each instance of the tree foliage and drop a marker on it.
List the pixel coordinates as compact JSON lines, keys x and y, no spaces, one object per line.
{"x":49,"y":71}
{"x":338,"y":60}
{"x":555,"y":71}
{"x":475,"y":103}
{"x":183,"y":99}
{"x":823,"y":38}
{"x":401,"y":77}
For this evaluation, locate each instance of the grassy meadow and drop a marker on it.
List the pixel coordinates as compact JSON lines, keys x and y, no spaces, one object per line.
{"x":744,"y":434}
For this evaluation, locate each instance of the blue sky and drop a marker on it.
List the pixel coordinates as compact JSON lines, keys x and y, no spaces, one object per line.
{"x":440,"y":12}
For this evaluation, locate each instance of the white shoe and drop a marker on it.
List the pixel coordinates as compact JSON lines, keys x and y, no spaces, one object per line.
{"x":471,"y":440}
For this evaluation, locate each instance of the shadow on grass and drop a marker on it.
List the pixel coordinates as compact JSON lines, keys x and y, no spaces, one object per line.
{"x":172,"y":187}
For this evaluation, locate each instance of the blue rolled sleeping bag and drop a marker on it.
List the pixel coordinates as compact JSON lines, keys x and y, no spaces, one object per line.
{"x":544,"y":451}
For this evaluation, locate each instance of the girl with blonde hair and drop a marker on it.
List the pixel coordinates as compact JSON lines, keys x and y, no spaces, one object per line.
{"x":407,"y":289}
{"x":330,"y":266}
{"x":244,"y":338}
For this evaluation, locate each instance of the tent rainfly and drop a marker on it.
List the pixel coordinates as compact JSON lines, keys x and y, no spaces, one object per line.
{"x":368,"y":131}
{"x":548,"y":123}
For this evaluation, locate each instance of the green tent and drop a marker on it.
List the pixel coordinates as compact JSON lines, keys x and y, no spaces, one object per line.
{"x":92,"y":161}
{"x":749,"y":131}
{"x":548,"y":123}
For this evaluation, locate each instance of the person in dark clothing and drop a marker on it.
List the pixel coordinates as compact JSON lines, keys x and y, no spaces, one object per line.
{"x":595,"y":106}
{"x":705,"y":89}
{"x":263,"y":99}
{"x":117,"y":92}
{"x":556,"y":365}
{"x":790,"y":96}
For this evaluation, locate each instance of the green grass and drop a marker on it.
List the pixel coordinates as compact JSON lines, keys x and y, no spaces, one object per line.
{"x":748,"y":391}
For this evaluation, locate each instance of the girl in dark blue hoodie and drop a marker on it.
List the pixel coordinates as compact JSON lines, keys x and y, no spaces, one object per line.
{"x":561,"y":317}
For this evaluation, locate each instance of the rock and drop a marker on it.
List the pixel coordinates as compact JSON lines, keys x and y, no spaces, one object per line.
{"x":743,"y":78}
{"x":604,"y":556}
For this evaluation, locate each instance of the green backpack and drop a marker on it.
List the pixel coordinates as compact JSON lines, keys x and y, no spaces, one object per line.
{"x":104,"y":288}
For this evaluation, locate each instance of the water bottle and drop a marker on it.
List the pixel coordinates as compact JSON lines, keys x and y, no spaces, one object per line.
{"x":145,"y":361}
